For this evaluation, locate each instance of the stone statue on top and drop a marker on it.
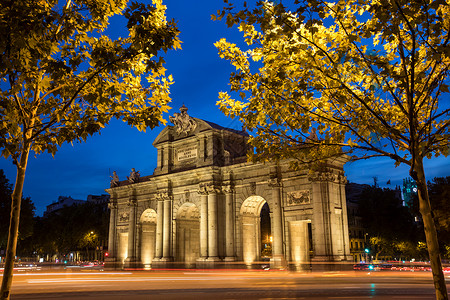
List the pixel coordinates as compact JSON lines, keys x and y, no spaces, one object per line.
{"x":183,"y":122}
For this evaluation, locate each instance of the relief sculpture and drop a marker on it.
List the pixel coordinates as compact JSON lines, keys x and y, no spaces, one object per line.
{"x":298,"y":197}
{"x":124,"y":217}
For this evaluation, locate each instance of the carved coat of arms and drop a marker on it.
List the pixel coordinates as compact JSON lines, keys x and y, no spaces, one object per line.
{"x":124,"y":217}
{"x":298,"y":197}
{"x":183,"y":122}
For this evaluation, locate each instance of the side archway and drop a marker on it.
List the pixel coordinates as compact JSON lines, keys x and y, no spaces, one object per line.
{"x":251,"y":228}
{"x":148,"y":236}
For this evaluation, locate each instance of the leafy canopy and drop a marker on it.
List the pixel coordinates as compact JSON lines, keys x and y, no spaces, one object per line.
{"x":55,"y":234}
{"x":439,"y":189}
{"x":365,"y":78}
{"x":26,"y":213}
{"x":63,"y":79}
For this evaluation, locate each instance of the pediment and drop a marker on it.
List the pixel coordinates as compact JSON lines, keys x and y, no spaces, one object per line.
{"x":170,"y":132}
{"x":186,"y":126}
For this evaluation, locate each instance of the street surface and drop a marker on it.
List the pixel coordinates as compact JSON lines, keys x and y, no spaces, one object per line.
{"x":222,"y":284}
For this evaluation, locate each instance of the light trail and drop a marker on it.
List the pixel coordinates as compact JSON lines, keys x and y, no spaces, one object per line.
{"x":67,"y":280}
{"x":67,"y":274}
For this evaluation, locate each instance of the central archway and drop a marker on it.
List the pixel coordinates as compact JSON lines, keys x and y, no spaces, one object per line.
{"x":255,"y":219}
{"x":188,"y":234}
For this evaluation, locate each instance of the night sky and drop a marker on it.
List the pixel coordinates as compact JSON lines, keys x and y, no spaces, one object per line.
{"x":199,"y":75}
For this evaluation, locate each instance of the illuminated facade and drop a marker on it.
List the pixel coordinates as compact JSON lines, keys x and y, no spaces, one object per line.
{"x":203,"y":205}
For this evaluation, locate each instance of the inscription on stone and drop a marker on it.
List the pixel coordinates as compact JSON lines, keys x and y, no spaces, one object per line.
{"x":186,"y":153}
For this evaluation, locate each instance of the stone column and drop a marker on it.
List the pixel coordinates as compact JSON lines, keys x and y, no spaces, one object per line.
{"x":229,"y":224}
{"x":213,"y":253}
{"x":112,"y":229}
{"x":203,"y":222}
{"x":159,"y":228}
{"x":167,"y":227}
{"x":277,"y":222}
{"x":131,"y":259}
{"x":342,"y":182}
{"x":322,"y":210}
{"x":112,"y":236}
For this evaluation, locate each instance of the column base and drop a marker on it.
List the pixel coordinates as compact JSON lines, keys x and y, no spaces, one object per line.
{"x":230,"y":258}
{"x":278,"y":262}
{"x":201,"y":259}
{"x":213,"y":259}
{"x":133,"y":263}
{"x":331,"y":258}
{"x":111,"y":263}
{"x":162,"y":263}
{"x":163,"y":259}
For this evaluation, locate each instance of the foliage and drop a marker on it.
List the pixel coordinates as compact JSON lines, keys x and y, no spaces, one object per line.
{"x":384,"y":216}
{"x":439,"y":189}
{"x":368,"y":76}
{"x":380,"y":247}
{"x":447,"y":252}
{"x":390,"y":225}
{"x":397,"y":249}
{"x":64,"y":79}
{"x":26,"y":214}
{"x":364,"y":78}
{"x":55,"y":233}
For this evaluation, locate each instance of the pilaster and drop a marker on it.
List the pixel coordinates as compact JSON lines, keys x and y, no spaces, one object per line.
{"x":203,"y":222}
{"x":167,"y":200}
{"x":278,"y":260}
{"x":111,"y":260}
{"x":213,"y":253}
{"x":159,"y":228}
{"x":229,"y":223}
{"x":132,"y":261}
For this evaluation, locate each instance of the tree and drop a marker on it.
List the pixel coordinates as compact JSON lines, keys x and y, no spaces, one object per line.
{"x":55,"y":234}
{"x":359,"y":78}
{"x":439,"y":189}
{"x":387,"y":221}
{"x":380,"y":246}
{"x":64,"y":79}
{"x":26,"y":213}
{"x":383,"y":215}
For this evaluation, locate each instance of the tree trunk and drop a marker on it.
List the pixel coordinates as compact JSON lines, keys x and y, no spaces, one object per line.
{"x":14,"y":224}
{"x":430,"y":232}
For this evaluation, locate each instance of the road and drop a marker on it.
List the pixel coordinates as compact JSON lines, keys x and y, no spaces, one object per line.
{"x":219,"y":284}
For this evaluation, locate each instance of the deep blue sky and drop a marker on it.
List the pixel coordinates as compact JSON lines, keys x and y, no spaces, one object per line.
{"x":199,"y":75}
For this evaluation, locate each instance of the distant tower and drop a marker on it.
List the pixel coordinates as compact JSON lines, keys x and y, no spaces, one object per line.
{"x":409,"y":192}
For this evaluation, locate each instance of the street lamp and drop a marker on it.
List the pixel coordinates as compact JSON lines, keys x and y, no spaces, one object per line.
{"x":366,"y":249}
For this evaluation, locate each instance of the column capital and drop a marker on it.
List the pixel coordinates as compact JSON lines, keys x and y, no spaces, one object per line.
{"x":112,"y":205}
{"x":342,"y":178}
{"x":209,"y":188}
{"x":202,"y":189}
{"x":163,"y":196}
{"x":228,"y":188}
{"x":274,"y":182}
{"x":322,"y":176}
{"x":213,"y":188}
{"x":132,"y":203}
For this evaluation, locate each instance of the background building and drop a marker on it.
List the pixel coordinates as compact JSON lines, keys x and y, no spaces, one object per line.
{"x":357,"y":232}
{"x":62,"y":201}
{"x":409,"y":192}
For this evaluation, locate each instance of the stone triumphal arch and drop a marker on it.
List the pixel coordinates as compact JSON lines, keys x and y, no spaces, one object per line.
{"x":205,"y":204}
